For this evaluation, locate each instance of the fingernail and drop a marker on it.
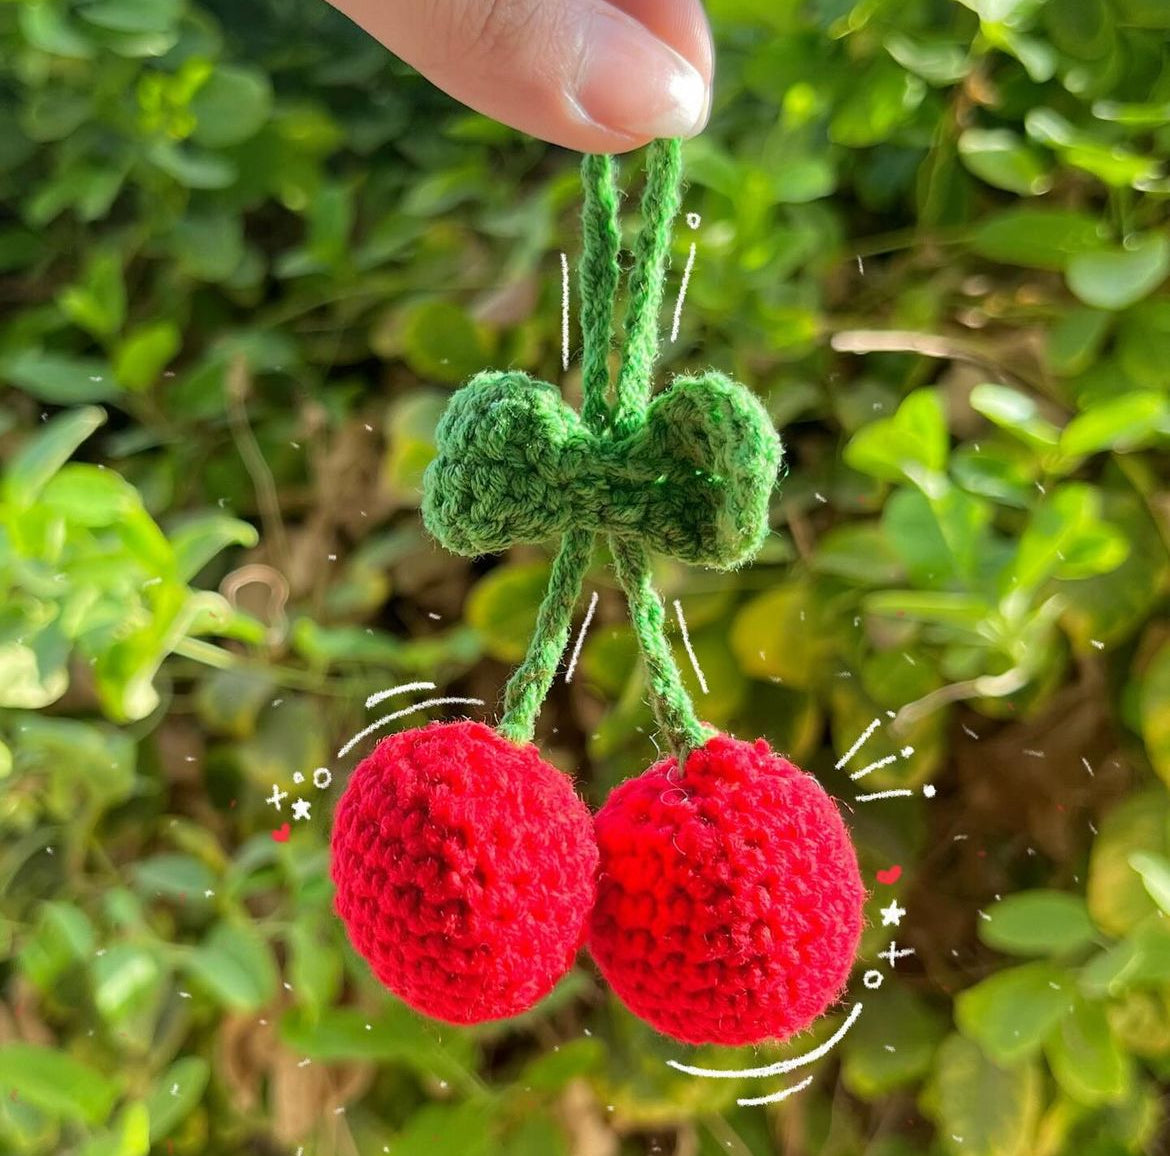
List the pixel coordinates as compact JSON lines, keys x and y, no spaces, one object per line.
{"x":632,"y":83}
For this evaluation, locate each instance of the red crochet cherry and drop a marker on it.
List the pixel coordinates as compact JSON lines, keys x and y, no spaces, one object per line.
{"x":729,"y":902}
{"x":465,"y":868}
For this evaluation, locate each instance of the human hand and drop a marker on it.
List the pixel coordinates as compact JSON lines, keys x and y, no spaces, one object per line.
{"x":588,"y":75}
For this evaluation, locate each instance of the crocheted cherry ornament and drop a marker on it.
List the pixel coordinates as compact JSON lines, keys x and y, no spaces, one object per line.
{"x":464,"y":870}
{"x":729,"y":907}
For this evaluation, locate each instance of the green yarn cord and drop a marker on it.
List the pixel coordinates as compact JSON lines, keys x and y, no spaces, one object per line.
{"x":660,"y":203}
{"x":689,"y":473}
{"x":673,"y":710}
{"x":529,"y":685}
{"x":600,"y":272}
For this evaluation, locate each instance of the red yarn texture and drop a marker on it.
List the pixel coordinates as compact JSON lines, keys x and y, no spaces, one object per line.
{"x":729,"y":902}
{"x":465,"y":868}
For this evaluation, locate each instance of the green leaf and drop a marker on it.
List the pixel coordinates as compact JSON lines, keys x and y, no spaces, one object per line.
{"x":1154,"y":708}
{"x":201,"y":538}
{"x":968,"y":612}
{"x":1143,"y":13}
{"x":1143,"y":343}
{"x":1119,"y":278}
{"x":858,"y":552}
{"x":440,"y":342}
{"x":64,"y":936}
{"x":549,"y":1072}
{"x":1114,"y":165}
{"x":315,"y":968}
{"x":1037,"y":238}
{"x":179,"y":877}
{"x":235,"y":964}
{"x":536,"y":1135}
{"x":126,"y":979}
{"x":132,"y":15}
{"x":911,"y":444}
{"x":1005,"y":160}
{"x":1015,"y":412}
{"x":1056,"y":525}
{"x":145,"y":353}
{"x":1038,"y":923}
{"x":90,"y":495}
{"x":1155,"y":873}
{"x":1075,"y":341}
{"x":44,"y":27}
{"x":938,"y":62}
{"x":773,"y":638}
{"x":209,"y":247}
{"x":231,"y":106}
{"x":56,"y":1083}
{"x":395,"y":1033}
{"x":448,"y":1130}
{"x":502,"y":607}
{"x":1118,"y":900}
{"x":193,"y":168}
{"x":939,"y":538}
{"x":176,"y":1094}
{"x":983,"y":1109}
{"x":98,"y":301}
{"x":43,"y":454}
{"x":892,"y":1045}
{"x":58,"y":378}
{"x":130,"y":1136}
{"x":875,"y":106}
{"x":1085,"y":1057}
{"x":1010,"y":1014}
{"x":410,"y":430}
{"x":997,"y":469}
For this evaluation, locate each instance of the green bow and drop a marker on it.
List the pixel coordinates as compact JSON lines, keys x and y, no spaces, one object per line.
{"x":517,"y":465}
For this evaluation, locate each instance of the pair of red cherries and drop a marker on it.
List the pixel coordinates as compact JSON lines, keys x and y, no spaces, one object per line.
{"x":721,"y":902}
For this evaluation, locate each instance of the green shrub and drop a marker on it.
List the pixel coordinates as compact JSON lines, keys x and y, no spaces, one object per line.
{"x":244,"y":258}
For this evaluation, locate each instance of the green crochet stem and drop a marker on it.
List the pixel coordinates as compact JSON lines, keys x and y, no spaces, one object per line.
{"x":670,"y":702}
{"x":600,"y":271}
{"x":598,"y":285}
{"x":529,"y":685}
{"x":660,"y":203}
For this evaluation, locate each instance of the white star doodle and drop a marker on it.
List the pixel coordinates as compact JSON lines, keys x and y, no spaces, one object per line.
{"x":893,"y":914}
{"x":276,"y":796}
{"x":300,"y":808}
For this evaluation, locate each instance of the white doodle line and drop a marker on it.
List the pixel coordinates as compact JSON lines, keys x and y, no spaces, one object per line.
{"x":778,"y":1068}
{"x":402,"y":714}
{"x":693,"y":221}
{"x":581,"y":638}
{"x":564,"y":311}
{"x":873,"y":726}
{"x":406,"y":687}
{"x":904,"y":753}
{"x":686,"y":637}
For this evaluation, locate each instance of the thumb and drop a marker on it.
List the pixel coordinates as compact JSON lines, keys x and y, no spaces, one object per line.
{"x":584,"y":74}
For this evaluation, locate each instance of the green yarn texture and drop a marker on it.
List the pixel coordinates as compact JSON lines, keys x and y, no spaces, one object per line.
{"x":688,"y":473}
{"x":516,"y":465}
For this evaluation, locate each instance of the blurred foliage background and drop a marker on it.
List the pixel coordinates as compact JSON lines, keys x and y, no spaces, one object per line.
{"x":244,"y":258}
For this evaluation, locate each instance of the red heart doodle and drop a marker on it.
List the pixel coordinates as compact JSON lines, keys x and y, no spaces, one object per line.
{"x":281,"y":834}
{"x":891,"y":875}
